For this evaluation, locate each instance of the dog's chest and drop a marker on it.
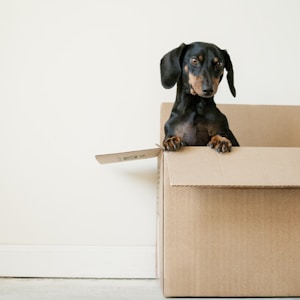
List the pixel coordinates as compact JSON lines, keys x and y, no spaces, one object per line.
{"x":194,"y":131}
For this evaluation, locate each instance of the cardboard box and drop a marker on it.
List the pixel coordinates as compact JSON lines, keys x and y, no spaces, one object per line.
{"x":230,"y":223}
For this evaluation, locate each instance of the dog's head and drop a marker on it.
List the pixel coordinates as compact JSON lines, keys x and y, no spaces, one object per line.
{"x":200,"y":66}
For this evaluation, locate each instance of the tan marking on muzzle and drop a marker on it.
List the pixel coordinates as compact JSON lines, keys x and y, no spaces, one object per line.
{"x":195,"y":83}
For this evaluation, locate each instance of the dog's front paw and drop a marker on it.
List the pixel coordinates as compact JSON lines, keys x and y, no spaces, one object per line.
{"x":173,"y":143}
{"x":220,"y":143}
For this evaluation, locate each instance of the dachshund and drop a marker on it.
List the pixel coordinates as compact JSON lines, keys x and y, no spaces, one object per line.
{"x":197,"y":68}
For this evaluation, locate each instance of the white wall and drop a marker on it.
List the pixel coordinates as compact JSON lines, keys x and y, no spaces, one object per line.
{"x":79,"y":78}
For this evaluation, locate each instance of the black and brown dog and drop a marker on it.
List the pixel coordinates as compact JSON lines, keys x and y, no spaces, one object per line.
{"x":195,"y":120}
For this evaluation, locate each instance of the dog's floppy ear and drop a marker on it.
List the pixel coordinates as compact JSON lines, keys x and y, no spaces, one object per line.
{"x":229,"y":68}
{"x":170,"y":68}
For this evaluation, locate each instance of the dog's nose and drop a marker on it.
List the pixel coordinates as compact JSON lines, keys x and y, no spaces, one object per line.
{"x":208,"y":91}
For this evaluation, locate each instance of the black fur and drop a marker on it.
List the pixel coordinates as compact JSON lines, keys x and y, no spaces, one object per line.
{"x":197,"y":69}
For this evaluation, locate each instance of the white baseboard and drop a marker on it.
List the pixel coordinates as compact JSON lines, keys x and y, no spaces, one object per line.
{"x":77,"y":261}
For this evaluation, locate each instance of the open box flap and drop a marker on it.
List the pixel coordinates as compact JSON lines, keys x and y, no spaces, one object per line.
{"x":127,"y":156}
{"x":252,"y":167}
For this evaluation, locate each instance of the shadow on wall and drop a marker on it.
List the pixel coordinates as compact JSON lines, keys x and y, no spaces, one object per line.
{"x":145,"y":176}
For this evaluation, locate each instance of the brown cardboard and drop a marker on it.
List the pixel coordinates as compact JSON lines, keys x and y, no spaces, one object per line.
{"x":230,"y":223}
{"x":255,"y":167}
{"x":127,"y":156}
{"x":231,"y":243}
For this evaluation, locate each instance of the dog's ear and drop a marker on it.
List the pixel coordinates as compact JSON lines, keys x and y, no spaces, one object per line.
{"x":170,"y":68}
{"x":229,"y":68}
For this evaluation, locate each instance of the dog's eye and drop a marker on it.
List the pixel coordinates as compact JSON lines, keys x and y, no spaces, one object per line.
{"x":219,"y":66}
{"x":194,"y":61}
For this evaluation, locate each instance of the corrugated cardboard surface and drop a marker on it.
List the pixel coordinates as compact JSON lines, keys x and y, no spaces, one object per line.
{"x":244,"y":167}
{"x":225,"y":242}
{"x":127,"y":156}
{"x":230,"y":224}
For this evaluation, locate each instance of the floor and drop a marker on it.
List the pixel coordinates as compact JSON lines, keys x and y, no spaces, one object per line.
{"x":81,"y":289}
